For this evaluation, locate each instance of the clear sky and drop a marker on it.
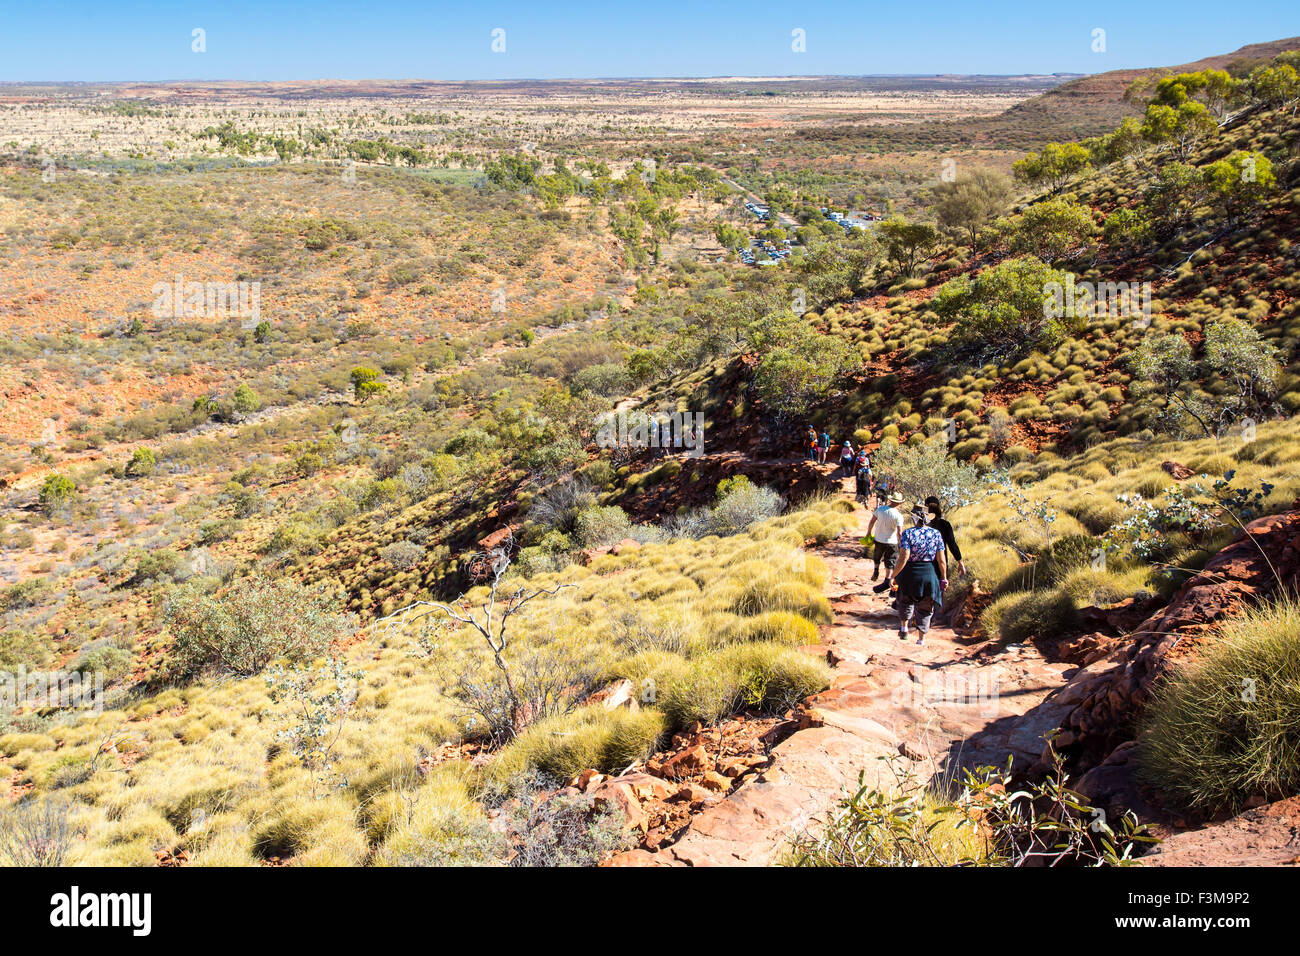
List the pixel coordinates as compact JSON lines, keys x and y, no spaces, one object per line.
{"x":436,"y":39}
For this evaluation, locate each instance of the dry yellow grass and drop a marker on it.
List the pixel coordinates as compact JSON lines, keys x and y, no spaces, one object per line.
{"x":206,"y":768}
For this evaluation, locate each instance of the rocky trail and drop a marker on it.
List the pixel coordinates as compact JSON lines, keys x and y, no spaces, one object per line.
{"x":891,"y":705}
{"x":894,"y":708}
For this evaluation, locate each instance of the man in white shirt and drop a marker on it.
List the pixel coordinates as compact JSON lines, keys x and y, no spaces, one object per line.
{"x":886,"y":524}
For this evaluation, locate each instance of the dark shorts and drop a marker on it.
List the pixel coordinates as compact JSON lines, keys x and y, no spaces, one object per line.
{"x":888,"y":553}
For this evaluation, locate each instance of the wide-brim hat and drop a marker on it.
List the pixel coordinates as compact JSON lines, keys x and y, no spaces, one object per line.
{"x":895,"y":498}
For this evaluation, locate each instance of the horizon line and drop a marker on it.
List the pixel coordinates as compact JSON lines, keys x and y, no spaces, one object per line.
{"x":758,"y":78}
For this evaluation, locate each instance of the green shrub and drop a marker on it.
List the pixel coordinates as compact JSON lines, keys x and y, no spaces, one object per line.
{"x":764,"y":676}
{"x":591,"y":737}
{"x":252,"y":624}
{"x":1016,"y":617}
{"x":56,"y":492}
{"x":1226,"y":726}
{"x":781,"y":627}
{"x":760,"y":595}
{"x":143,"y":462}
{"x":600,"y":526}
{"x":24,"y":649}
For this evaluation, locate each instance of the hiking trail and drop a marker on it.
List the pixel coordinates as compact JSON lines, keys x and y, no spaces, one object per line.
{"x":933,"y":706}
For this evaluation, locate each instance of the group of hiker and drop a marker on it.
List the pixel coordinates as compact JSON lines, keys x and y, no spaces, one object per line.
{"x":915,"y":557}
{"x":914,"y":551}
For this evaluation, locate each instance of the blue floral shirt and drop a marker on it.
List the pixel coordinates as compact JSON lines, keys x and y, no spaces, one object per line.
{"x":921,"y":543}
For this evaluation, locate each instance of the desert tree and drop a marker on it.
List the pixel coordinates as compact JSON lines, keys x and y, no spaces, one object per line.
{"x":1239,"y":183}
{"x":528,"y":686}
{"x":1178,"y":128}
{"x":1053,"y":166}
{"x":909,"y":242}
{"x":968,"y":204}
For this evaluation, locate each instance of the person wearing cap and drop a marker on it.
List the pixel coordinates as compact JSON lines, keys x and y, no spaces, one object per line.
{"x":886,"y":523}
{"x":920,"y":575}
{"x":862,"y":479}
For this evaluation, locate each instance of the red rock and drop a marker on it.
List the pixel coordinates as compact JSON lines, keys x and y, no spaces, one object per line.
{"x":618,"y":798}
{"x":587,"y":779}
{"x":692,"y":760}
{"x":1110,"y":699}
{"x":646,"y":787}
{"x":619,"y":694}
{"x":627,"y":544}
{"x":809,"y":718}
{"x":715,"y":781}
{"x":1176,"y":471}
{"x":691,"y":793}
{"x":739,"y":766}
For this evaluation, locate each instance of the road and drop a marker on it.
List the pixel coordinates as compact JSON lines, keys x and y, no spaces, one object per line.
{"x":782,"y":218}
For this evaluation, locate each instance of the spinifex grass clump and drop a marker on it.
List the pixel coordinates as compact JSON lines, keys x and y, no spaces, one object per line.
{"x":234,"y":771}
{"x":1226,"y":727}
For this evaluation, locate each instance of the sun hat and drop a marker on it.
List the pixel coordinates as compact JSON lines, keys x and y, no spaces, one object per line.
{"x":895,"y":498}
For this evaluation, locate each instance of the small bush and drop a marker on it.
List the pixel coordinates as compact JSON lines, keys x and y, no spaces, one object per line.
{"x":35,"y":833}
{"x":781,"y":627}
{"x":402,"y":554}
{"x":600,"y":526}
{"x":1226,"y":726}
{"x":764,"y":676}
{"x":741,"y":505}
{"x":249,"y":626}
{"x":143,"y":462}
{"x":562,"y":746}
{"x":1016,"y":617}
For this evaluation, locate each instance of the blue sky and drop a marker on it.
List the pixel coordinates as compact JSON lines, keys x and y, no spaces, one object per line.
{"x":434,"y":39}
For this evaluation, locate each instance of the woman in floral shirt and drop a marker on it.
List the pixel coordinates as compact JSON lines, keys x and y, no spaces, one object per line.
{"x":920,"y":575}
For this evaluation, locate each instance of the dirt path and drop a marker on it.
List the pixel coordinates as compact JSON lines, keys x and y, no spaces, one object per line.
{"x":932,"y":707}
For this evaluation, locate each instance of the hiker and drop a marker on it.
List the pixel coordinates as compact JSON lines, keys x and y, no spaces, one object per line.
{"x":921,"y":575}
{"x":846,"y":457}
{"x":942,"y":525}
{"x":882,"y":490}
{"x":811,"y":443}
{"x":863,"y":478}
{"x":886,"y":523}
{"x":823,"y":447}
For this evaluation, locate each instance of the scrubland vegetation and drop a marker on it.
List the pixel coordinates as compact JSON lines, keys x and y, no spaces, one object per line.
{"x":252,"y":530}
{"x":326,"y":764}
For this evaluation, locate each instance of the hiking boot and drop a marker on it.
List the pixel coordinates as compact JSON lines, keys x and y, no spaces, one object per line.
{"x":882,"y":587}
{"x":920,"y":641}
{"x":902,"y":633}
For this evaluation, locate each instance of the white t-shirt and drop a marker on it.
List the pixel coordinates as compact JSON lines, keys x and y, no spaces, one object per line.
{"x":889,"y":521}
